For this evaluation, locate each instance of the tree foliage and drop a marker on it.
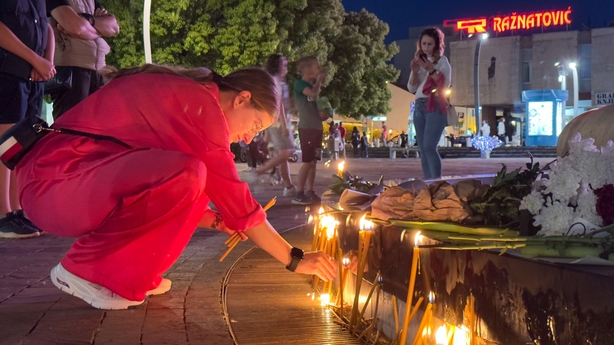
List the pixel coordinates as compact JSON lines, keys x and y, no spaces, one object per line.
{"x":230,"y":34}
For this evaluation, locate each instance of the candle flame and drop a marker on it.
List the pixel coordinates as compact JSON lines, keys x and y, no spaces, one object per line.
{"x":346,"y":261}
{"x":321,"y":210}
{"x":310,"y":219}
{"x":461,"y":336}
{"x":330,"y":224}
{"x":417,"y":239}
{"x":441,"y":336}
{"x":341,"y":166}
{"x":365,"y":225}
{"x":431,"y":297}
{"x":324,"y":299}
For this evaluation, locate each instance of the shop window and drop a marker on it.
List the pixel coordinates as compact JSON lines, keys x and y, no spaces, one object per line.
{"x":527,"y":55}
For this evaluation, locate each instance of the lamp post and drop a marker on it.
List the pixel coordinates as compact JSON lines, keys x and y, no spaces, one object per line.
{"x":146,"y":33}
{"x":563,"y":81}
{"x":574,"y":72}
{"x":476,"y":81}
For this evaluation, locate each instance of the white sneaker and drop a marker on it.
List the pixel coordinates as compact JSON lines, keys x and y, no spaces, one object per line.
{"x":290,"y":191}
{"x":95,"y":295}
{"x":164,"y":286}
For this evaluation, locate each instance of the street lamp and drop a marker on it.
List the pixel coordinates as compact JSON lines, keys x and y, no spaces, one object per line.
{"x":563,"y":81}
{"x":574,"y":72}
{"x":146,"y":33}
{"x":476,"y":81}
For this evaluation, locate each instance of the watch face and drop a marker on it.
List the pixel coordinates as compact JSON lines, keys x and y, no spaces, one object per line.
{"x":297,"y":253}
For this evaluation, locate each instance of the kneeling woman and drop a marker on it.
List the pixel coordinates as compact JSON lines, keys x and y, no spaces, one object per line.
{"x":136,"y":201}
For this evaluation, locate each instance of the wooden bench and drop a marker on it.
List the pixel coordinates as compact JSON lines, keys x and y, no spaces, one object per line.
{"x":414,"y":149}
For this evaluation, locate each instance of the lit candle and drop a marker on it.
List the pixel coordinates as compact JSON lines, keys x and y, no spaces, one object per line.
{"x":341,"y":274}
{"x":340,"y":168}
{"x":422,"y":328}
{"x":410,"y":289}
{"x":364,"y":240}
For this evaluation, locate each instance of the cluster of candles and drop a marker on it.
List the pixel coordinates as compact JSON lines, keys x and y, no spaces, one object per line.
{"x":445,"y":334}
{"x":326,"y":238}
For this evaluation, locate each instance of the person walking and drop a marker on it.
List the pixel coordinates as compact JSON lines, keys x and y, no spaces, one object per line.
{"x":306,"y":91}
{"x":364,"y":146}
{"x":403,"y":139}
{"x":79,"y":27}
{"x":342,"y":133}
{"x":280,"y":135}
{"x":134,"y":200}
{"x":384,"y":134}
{"x":501,"y":130}
{"x":485,"y":129}
{"x":429,"y":78}
{"x":26,"y":59}
{"x":355,"y":140}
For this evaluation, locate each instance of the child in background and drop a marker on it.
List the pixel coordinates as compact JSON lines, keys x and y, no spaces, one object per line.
{"x":306,"y":92}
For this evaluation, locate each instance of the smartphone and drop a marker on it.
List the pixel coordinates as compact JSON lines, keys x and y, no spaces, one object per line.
{"x":422,"y":56}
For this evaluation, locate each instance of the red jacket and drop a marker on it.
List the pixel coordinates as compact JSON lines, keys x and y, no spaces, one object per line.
{"x":147,"y":111}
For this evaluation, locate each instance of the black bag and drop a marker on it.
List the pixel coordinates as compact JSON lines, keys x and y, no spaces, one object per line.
{"x":19,"y":139}
{"x":61,"y":81}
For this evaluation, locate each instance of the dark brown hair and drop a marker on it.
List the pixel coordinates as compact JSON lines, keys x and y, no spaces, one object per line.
{"x":437,"y":35}
{"x":273,"y":64}
{"x":259,"y":83}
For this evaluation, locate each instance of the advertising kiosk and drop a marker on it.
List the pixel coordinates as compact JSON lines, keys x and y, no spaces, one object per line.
{"x":544,"y":116}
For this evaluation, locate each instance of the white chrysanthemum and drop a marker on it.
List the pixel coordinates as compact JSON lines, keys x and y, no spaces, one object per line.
{"x":555,"y":219}
{"x":592,"y":167}
{"x":563,"y":181}
{"x":607,"y":152}
{"x":577,"y":144}
{"x":587,"y":207}
{"x":532,"y":202}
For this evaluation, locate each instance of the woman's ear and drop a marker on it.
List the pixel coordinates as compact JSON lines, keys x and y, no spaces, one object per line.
{"x":242,"y":98}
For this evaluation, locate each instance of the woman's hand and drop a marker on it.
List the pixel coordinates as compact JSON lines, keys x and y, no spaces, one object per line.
{"x":44,"y":68}
{"x":426,"y":64}
{"x":318,"y":263}
{"x":222,"y":227}
{"x":415,"y":65}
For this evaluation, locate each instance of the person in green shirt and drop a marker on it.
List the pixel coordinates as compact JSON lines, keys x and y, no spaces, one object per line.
{"x":306,"y":91}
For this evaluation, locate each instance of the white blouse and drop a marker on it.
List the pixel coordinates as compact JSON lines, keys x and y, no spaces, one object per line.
{"x":443,"y":66}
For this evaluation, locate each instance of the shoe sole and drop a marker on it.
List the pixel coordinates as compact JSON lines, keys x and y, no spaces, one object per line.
{"x":159,"y":290}
{"x":14,"y":236}
{"x":59,"y":283}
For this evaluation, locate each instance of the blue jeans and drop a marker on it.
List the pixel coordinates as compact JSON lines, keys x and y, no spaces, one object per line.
{"x":429,"y":127}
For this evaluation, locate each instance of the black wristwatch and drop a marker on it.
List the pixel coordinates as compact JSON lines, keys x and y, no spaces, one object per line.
{"x":297,"y":255}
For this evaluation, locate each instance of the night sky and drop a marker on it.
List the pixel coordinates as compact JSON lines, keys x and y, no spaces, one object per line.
{"x":402,"y":14}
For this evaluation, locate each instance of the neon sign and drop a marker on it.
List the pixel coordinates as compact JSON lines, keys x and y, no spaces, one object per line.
{"x":513,"y":22}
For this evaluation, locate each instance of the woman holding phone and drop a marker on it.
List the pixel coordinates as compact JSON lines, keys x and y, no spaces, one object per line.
{"x":430,"y":77}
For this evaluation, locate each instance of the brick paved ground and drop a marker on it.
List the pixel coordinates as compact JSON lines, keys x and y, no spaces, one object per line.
{"x":33,"y":311}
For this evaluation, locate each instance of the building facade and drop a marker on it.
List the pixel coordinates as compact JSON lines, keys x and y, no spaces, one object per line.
{"x":512,"y":63}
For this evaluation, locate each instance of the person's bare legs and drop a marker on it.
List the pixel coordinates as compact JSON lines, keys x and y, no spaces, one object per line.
{"x":284,"y":168}
{"x":311,"y":177}
{"x":13,"y":192}
{"x":5,"y":183}
{"x":303,"y":175}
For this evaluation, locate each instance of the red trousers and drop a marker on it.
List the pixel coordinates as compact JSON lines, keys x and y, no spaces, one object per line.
{"x":135,"y":215}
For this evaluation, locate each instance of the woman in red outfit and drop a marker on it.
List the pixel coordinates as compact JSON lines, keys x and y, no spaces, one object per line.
{"x":136,"y":208}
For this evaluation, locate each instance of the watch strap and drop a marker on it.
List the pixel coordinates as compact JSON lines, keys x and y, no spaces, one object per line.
{"x":297,"y":255}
